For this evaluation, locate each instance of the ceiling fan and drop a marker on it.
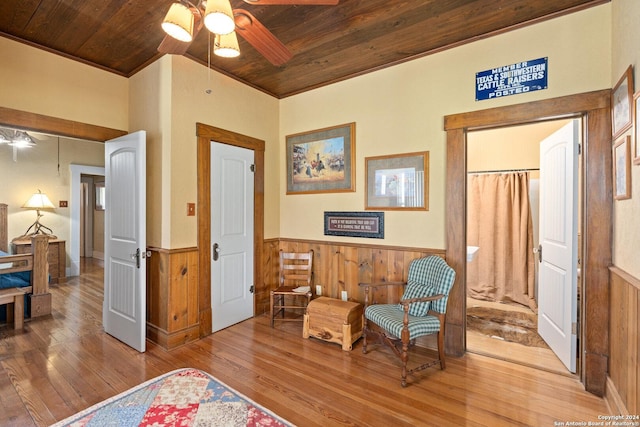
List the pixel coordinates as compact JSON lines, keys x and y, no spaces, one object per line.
{"x":17,"y":139}
{"x":185,"y":19}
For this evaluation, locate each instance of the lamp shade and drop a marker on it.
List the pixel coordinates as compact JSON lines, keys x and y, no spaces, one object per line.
{"x":226,"y":45}
{"x":218,"y":17}
{"x":178,"y":22}
{"x":38,"y":201}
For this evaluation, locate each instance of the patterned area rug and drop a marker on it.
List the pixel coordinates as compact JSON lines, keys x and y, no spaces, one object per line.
{"x":512,"y":326}
{"x":184,"y":397}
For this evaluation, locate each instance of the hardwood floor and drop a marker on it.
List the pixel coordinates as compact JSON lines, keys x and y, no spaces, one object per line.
{"x":63,"y":363}
{"x":536,"y":357}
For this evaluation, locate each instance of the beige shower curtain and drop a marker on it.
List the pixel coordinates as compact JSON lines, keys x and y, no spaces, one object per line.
{"x":499,"y":222}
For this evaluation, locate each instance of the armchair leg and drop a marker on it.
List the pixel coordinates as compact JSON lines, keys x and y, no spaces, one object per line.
{"x":441,"y":348}
{"x":404,"y":355}
{"x":364,"y":335}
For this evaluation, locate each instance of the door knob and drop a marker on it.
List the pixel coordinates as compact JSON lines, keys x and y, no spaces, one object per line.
{"x":538,"y":251}
{"x":216,"y":251}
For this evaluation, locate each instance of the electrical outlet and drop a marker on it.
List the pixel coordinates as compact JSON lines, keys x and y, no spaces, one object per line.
{"x":318,"y":290}
{"x":344,"y":295}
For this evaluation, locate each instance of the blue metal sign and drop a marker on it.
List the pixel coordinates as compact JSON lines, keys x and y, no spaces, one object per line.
{"x":513,"y":79}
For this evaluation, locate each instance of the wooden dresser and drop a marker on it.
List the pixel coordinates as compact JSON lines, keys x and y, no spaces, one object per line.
{"x":57,"y":257}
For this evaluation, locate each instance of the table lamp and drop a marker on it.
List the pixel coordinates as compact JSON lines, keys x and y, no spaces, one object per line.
{"x":39,"y":201}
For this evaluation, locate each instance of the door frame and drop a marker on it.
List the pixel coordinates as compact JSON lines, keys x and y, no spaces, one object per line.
{"x":597,"y":209}
{"x":206,"y":134}
{"x":74,"y":214}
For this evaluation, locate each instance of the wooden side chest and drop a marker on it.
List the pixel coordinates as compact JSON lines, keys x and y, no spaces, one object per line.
{"x":333,"y":320}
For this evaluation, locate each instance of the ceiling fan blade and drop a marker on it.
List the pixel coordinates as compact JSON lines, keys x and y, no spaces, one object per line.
{"x":173,"y":46}
{"x":295,"y":2}
{"x":176,"y":47}
{"x":39,"y":136}
{"x":258,"y":36}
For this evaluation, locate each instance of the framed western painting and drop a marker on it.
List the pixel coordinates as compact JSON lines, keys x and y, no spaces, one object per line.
{"x":621,"y":108}
{"x":398,"y":182}
{"x":622,"y":168}
{"x":636,"y":120}
{"x":322,"y":161}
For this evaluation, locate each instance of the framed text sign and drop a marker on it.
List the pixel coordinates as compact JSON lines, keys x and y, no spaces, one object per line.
{"x":521,"y":77}
{"x":354,"y":224}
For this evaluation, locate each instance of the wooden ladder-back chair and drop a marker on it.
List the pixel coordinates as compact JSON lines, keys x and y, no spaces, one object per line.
{"x":294,"y":285}
{"x":421,"y":311}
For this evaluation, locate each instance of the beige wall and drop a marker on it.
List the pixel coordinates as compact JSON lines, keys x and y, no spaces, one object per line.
{"x":176,"y":87}
{"x":516,"y":147}
{"x":37,"y":168}
{"x":401,"y":109}
{"x":150,"y":108}
{"x":626,"y":51}
{"x":40,"y":82}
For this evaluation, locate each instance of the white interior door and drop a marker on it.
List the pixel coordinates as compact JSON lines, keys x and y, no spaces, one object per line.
{"x":558,"y":250}
{"x":232,"y":183}
{"x":123,"y":312}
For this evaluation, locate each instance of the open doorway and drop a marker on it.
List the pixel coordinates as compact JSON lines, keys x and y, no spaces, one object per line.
{"x":92,"y":217}
{"x":503,"y":200}
{"x":595,"y":109}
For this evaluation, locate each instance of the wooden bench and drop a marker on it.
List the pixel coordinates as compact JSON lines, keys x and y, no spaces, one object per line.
{"x":13,"y":296}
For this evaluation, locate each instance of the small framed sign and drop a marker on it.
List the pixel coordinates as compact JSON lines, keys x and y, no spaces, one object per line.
{"x":354,"y":224}
{"x":512,"y":79}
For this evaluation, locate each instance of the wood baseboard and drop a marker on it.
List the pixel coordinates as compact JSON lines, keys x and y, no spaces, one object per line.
{"x":613,"y":399}
{"x":172,"y":340}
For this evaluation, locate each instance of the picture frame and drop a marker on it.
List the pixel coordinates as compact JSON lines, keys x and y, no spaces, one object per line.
{"x":636,"y":133}
{"x":322,"y":161}
{"x":99,"y":196}
{"x":621,"y":107}
{"x":622,"y":168}
{"x":398,"y":182}
{"x":354,"y":224}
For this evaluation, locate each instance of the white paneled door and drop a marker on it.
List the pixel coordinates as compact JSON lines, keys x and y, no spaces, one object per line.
{"x":232,"y":183}
{"x":123,"y":313}
{"x":558,"y":250}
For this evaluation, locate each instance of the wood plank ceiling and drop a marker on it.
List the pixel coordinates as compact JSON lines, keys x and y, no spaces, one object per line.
{"x":329,"y":43}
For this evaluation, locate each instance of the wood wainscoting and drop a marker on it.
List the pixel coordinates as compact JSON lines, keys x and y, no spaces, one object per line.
{"x":172,"y":297}
{"x":339,"y":266}
{"x":623,"y":382}
{"x":173,"y":288}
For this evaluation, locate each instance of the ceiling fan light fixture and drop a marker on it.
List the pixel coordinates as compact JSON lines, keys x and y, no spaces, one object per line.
{"x":226,"y":45}
{"x":21,"y":139}
{"x":178,"y":22}
{"x":4,"y":137}
{"x":218,"y":17}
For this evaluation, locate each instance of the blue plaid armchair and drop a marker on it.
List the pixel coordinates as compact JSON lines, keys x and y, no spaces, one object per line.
{"x":421,"y":311}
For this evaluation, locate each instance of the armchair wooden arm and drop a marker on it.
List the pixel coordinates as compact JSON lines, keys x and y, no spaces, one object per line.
{"x":406,"y":302}
{"x":373,"y":285}
{"x":368,"y":286}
